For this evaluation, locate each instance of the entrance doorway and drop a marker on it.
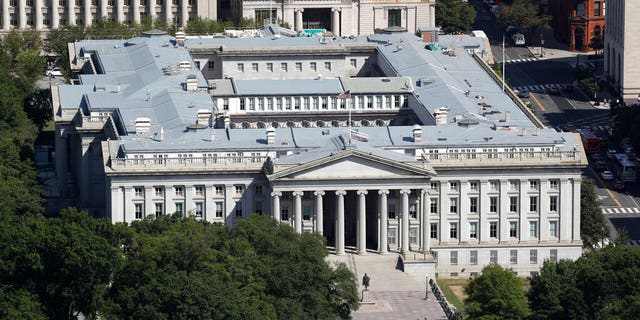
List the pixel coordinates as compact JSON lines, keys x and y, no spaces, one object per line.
{"x":316,"y":18}
{"x":579,"y":39}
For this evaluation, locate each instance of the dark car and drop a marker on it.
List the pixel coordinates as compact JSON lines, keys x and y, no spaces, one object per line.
{"x":553,"y":90}
{"x":618,"y":185}
{"x":601,"y":165}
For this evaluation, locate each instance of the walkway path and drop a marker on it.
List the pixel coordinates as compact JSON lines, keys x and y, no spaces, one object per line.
{"x":397,"y":295}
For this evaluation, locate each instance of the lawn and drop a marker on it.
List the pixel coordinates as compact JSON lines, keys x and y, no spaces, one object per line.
{"x":449,"y":286}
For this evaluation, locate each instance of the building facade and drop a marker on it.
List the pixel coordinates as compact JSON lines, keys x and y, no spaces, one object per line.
{"x":51,"y":14}
{"x":622,"y":42}
{"x":579,"y":23}
{"x":425,"y":154}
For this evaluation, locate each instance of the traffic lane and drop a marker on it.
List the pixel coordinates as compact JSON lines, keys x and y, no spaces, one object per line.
{"x":605,"y":195}
{"x":632,"y":225}
{"x":549,"y":71}
{"x":516,"y":75}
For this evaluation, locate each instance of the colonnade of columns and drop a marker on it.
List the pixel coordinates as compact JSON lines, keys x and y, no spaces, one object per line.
{"x":361,"y":218}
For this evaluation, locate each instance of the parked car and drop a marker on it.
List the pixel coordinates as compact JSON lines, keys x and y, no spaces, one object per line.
{"x":553,"y":89}
{"x":618,"y":185}
{"x":601,"y":164}
{"x":523,"y":94}
{"x":518,"y":39}
{"x":55,"y":72}
{"x":611,"y":153}
{"x":607,"y":175}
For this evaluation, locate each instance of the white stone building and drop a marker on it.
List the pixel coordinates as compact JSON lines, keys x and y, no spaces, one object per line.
{"x":621,"y":45}
{"x":425,"y":157}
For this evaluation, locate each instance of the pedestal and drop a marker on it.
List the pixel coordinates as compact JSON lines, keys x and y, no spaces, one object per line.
{"x":366,"y":297}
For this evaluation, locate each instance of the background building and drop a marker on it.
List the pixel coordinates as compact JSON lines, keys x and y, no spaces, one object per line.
{"x":579,"y":23}
{"x":622,"y":44}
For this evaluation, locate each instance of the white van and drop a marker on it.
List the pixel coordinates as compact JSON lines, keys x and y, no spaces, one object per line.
{"x":518,"y":39}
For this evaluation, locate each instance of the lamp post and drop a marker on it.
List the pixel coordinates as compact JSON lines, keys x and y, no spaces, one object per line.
{"x":541,"y":46}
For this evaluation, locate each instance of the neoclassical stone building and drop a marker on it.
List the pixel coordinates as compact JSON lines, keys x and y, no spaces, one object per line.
{"x":375,"y":142}
{"x":621,"y":45}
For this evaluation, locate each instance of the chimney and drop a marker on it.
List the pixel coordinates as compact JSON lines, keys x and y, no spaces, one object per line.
{"x":417,"y":133}
{"x":191,"y":83}
{"x":212,"y":136}
{"x":227,"y":120}
{"x":271,"y":135}
{"x":180,"y":37}
{"x":441,"y":115}
{"x":161,"y":133}
{"x":524,"y":131}
{"x":204,"y":117}
{"x":507,"y":116}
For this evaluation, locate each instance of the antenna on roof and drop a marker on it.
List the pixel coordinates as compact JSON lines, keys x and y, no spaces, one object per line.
{"x":148,"y":94}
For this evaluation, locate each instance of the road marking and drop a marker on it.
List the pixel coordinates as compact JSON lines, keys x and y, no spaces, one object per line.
{"x":537,"y":101}
{"x":568,"y":100}
{"x":605,"y":187}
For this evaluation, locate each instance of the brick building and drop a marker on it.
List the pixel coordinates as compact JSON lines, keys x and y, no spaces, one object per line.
{"x":579,"y":23}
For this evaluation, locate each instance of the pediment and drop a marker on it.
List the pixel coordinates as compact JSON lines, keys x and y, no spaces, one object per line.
{"x":349,"y":166}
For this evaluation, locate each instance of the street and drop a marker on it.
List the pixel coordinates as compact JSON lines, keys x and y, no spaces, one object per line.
{"x":546,"y":78}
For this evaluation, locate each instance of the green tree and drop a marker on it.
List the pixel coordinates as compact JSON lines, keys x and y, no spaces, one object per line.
{"x":19,"y":304}
{"x":593,"y":227}
{"x":454,"y":16}
{"x":57,"y":43}
{"x":554,"y":293}
{"x":496,"y":294}
{"x":526,"y":14}
{"x":30,"y":65}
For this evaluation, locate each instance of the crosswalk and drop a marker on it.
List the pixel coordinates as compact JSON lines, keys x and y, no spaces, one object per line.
{"x":600,"y":122}
{"x":539,"y":87}
{"x":519,"y":60}
{"x":617,"y":210}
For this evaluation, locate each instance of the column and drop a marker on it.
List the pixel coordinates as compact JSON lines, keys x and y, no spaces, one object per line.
{"x":115,"y":207}
{"x":149,"y":208}
{"x":432,"y":14}
{"x":120,"y":10}
{"x":88,"y":18}
{"x":275,"y":200}
{"x":484,"y":211}
{"x":37,"y":13}
{"x":382,"y":241}
{"x":405,"y":220}
{"x":135,"y":9}
{"x":335,"y":21}
{"x":103,"y":9}
{"x":565,"y":206}
{"x":543,"y":209}
{"x":168,"y":12}
{"x":229,"y":205}
{"x":319,"y":212}
{"x":184,"y":11}
{"x":503,"y":211}
{"x":55,"y":15}
{"x":297,"y":210}
{"x":444,"y":211}
{"x":152,"y":9}
{"x":362,"y":222}
{"x":575,"y":234}
{"x":128,"y":213}
{"x":298,"y":25}
{"x":523,"y":209}
{"x":22,"y":14}
{"x":340,"y":221}
{"x":71,"y":13}
{"x":425,"y":221}
{"x":6,"y":25}
{"x":209,"y":203}
{"x":464,"y":211}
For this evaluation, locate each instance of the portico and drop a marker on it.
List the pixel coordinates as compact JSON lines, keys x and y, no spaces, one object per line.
{"x":348,"y":197}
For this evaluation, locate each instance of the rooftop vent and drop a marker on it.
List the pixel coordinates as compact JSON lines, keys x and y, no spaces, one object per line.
{"x":426,"y":81}
{"x":143,"y":125}
{"x":204,"y":116}
{"x":180,"y":36}
{"x":271,"y":135}
{"x":417,"y":133}
{"x":441,"y":115}
{"x":184,"y":65}
{"x":191,"y":83}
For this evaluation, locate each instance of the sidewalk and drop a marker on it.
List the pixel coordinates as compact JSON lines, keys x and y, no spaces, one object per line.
{"x":397,"y":295}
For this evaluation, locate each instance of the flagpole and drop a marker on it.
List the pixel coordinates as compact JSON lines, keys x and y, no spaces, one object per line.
{"x":503,"y":62}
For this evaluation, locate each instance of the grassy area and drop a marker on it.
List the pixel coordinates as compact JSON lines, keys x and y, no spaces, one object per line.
{"x":51,"y":126}
{"x":448,"y":293}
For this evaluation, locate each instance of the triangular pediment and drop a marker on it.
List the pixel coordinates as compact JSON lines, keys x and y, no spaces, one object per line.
{"x":350,"y":165}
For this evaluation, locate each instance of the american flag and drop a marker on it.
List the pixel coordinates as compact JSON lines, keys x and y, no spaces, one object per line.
{"x":345,"y":95}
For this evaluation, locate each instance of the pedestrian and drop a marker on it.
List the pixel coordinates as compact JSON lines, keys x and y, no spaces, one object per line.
{"x":365,"y":281}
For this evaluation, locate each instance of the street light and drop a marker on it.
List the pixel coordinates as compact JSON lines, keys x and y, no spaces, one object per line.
{"x":541,"y":46}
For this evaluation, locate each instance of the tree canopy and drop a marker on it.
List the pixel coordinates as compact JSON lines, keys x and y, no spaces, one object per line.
{"x":496,"y":294}
{"x":454,"y":16}
{"x":526,"y":14}
{"x":593,"y":227}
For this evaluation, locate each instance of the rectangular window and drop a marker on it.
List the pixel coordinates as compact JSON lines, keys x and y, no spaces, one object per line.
{"x":199,"y":190}
{"x":473,"y":257}
{"x":199,"y":212}
{"x":553,"y":229}
{"x":533,"y":256}
{"x":211,"y":65}
{"x":306,"y":213}
{"x":553,"y":184}
{"x":238,"y":209}
{"x":513,"y":229}
{"x":393,"y":236}
{"x":218,"y":209}
{"x":596,"y":9}
{"x":553,"y":255}
{"x":242,"y":103}
{"x":453,"y":230}
{"x":179,"y":191}
{"x":493,"y":256}
{"x":413,"y":211}
{"x":137,"y":191}
{"x":179,"y":207}
{"x":453,"y":186}
{"x":433,"y":186}
{"x":433,"y":231}
{"x":284,"y":214}
{"x":298,"y":66}
{"x":453,"y":205}
{"x":239,"y":190}
{"x":473,"y":230}
{"x":240,"y":67}
{"x":270,"y":66}
{"x":159,"y":209}
{"x":391,"y":210}
{"x":533,"y":229}
{"x":513,"y":185}
{"x":283,"y":66}
{"x":354,"y":63}
{"x":433,"y":206}
{"x":218,"y":190}
{"x":269,"y":103}
{"x":553,"y":203}
{"x":258,"y":207}
{"x":533,"y":184}
{"x":413,"y":236}
{"x":327,"y":66}
{"x":454,"y":258}
{"x":493,"y":204}
{"x":494,"y":185}
{"x":493,"y":229}
{"x":473,"y":204}
{"x":313,"y":66}
{"x":473,"y":186}
{"x":254,"y":67}
{"x":513,"y":256}
{"x":138,"y":210}
{"x":533,"y":204}
{"x":513,"y":204}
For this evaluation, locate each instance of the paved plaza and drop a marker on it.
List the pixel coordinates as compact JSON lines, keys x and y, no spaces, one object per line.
{"x":396,"y":295}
